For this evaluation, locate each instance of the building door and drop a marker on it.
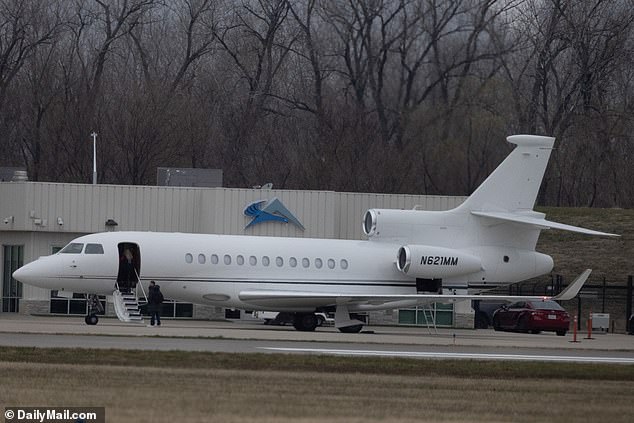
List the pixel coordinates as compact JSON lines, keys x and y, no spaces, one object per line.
{"x":11,"y":289}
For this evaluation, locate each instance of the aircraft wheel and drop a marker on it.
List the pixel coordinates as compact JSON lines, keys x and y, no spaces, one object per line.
{"x":351,"y":329}
{"x":91,"y":319}
{"x":320,"y":320}
{"x":305,"y":322}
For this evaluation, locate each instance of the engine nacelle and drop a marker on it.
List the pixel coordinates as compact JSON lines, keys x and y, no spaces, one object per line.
{"x":401,"y":224}
{"x":428,"y":262}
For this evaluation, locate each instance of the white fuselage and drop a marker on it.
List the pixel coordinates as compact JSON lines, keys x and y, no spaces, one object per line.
{"x":214,"y":269}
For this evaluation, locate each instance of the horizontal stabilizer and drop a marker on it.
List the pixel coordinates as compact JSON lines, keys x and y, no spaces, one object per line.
{"x":537,"y":222}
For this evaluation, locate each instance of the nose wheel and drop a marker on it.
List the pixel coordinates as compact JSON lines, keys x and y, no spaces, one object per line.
{"x":91,"y":319}
{"x":94,"y":307}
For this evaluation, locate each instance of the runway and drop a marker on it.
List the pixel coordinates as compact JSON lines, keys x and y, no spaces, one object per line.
{"x":461,"y":355}
{"x":241,"y":337}
{"x":298,"y":347}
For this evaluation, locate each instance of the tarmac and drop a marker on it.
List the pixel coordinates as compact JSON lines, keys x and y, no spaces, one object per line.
{"x":256,"y":330}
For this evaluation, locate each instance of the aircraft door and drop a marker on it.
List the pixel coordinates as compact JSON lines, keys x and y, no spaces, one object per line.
{"x":129,"y":265}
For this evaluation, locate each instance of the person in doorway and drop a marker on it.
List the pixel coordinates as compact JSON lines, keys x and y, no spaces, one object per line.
{"x":126,"y":271}
{"x":155,"y":303}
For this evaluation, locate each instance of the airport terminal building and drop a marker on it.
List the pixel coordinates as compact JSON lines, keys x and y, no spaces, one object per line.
{"x":39,"y":218}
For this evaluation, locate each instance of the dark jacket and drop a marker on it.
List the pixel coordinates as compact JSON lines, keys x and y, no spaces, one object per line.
{"x":155,"y":298}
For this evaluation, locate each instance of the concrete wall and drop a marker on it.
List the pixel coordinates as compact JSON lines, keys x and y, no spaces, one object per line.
{"x":37,"y":206}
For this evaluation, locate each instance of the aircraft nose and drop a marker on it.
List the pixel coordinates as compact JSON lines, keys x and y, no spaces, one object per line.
{"x":24,"y":274}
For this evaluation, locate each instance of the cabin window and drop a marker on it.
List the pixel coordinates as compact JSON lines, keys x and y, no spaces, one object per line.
{"x":293,"y":262}
{"x":344,"y":264}
{"x":227,"y":259}
{"x":331,"y":263}
{"x":305,"y":263}
{"x":240,"y":260}
{"x":201,"y":258}
{"x":94,"y":249}
{"x":214,"y":259}
{"x":72,"y":248}
{"x":318,"y":263}
{"x":253,"y":260}
{"x":279,"y":261}
{"x":266,"y":261}
{"x":189,"y":258}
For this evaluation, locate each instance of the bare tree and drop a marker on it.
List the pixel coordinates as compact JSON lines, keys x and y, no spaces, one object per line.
{"x":253,"y":37}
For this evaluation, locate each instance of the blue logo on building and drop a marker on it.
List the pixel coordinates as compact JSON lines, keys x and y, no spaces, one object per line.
{"x":270,"y":211}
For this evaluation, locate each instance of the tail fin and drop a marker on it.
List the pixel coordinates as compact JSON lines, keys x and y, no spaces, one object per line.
{"x":509,"y":193}
{"x":514,"y":184}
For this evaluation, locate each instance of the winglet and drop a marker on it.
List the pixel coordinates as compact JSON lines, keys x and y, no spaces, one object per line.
{"x":573,"y":289}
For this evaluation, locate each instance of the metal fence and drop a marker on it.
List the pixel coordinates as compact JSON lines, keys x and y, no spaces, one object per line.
{"x":598,"y":295}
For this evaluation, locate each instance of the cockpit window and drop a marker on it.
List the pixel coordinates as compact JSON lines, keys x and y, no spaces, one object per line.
{"x":94,"y":249}
{"x":72,"y":248}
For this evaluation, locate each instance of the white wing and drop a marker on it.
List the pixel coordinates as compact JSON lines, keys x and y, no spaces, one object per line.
{"x":272,"y":299}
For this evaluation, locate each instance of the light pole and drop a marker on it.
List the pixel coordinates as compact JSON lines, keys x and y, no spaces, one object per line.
{"x":94,"y":158}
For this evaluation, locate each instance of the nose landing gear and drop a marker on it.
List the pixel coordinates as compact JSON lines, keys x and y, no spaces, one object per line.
{"x":94,"y":307}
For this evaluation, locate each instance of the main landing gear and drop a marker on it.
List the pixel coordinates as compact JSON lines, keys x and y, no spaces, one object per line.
{"x":94,"y":307}
{"x":307,"y":322}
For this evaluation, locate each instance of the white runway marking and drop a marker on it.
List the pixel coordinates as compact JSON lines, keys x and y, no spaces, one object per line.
{"x":450,"y":355}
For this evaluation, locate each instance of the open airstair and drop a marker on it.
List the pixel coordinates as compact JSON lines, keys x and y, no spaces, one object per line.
{"x":127,"y":305}
{"x":127,"y":308}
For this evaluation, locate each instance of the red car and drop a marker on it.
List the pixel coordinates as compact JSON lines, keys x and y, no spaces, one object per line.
{"x":532,"y":316}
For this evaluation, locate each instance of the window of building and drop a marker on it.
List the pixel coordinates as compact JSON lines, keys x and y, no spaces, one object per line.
{"x":94,"y":249}
{"x":441,"y":313}
{"x":201,"y":258}
{"x":172,"y":309}
{"x":11,"y":289}
{"x":78,"y":305}
{"x":189,"y":258}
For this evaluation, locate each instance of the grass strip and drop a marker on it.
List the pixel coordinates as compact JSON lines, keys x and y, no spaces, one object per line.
{"x":473,"y":369}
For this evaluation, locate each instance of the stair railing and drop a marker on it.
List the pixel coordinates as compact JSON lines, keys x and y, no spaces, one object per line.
{"x":141,"y":285}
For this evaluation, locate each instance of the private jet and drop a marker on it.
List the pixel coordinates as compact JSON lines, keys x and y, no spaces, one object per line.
{"x":411,"y":257}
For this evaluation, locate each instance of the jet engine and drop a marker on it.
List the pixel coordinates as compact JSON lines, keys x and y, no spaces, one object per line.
{"x":428,"y":262}
{"x":399,"y":224}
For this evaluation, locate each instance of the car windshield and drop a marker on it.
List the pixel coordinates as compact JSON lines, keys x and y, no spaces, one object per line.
{"x":546,"y":305}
